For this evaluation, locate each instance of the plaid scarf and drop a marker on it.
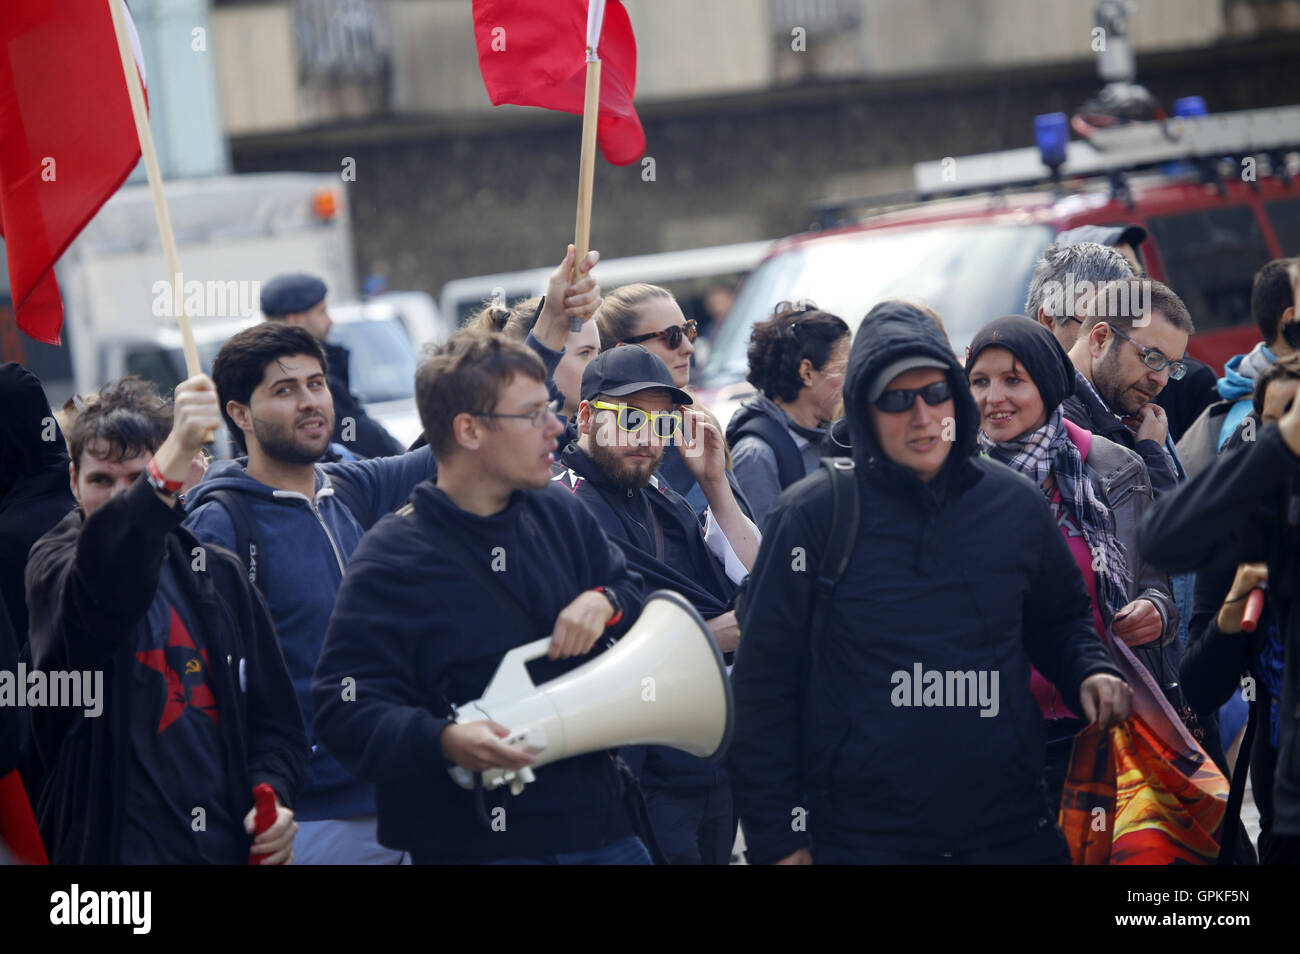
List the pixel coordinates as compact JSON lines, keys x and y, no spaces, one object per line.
{"x":1049,"y":452}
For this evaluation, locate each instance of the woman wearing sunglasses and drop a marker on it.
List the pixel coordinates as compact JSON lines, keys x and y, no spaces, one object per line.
{"x":1098,"y":491}
{"x":649,"y":315}
{"x":797,"y":361}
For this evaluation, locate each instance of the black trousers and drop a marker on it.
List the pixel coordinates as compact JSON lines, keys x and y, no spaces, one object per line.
{"x":693,"y":826}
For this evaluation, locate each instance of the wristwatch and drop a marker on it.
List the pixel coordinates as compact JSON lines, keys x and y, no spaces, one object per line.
{"x":614,"y":601}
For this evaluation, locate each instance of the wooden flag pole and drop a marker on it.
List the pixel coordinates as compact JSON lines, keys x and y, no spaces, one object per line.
{"x":586,"y":171}
{"x":145,"y":136}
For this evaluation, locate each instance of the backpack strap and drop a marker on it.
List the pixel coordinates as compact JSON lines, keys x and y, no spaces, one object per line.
{"x":248,"y":543}
{"x":841,"y":539}
{"x":351,"y":497}
{"x":789,"y":462}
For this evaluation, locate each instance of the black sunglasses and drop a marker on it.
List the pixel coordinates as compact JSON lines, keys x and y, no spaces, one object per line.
{"x":671,"y":336}
{"x":901,"y":399}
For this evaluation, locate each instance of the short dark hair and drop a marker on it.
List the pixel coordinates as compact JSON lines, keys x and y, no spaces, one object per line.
{"x":1282,"y":368}
{"x":465,"y":375}
{"x":241,"y":363}
{"x":778,"y":346}
{"x":128,"y":414}
{"x":1270,"y":295}
{"x":1115,"y":305}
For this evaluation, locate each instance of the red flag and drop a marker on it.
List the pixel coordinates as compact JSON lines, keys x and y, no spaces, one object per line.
{"x":67,"y":141}
{"x":17,"y":823}
{"x":534,"y":53}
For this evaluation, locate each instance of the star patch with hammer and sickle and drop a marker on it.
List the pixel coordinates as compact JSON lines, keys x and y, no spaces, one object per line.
{"x":185,"y":667}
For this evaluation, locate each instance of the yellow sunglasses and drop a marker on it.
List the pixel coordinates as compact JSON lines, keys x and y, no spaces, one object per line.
{"x":665,"y":424}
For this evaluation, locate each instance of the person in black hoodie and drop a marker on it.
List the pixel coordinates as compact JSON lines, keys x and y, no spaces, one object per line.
{"x":629,"y":411}
{"x":34,"y":493}
{"x":958,"y":578}
{"x":1237,"y":513}
{"x":197,"y":705}
{"x":490,"y":557}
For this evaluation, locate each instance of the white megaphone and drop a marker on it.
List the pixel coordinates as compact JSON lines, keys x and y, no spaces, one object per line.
{"x":663,"y":683}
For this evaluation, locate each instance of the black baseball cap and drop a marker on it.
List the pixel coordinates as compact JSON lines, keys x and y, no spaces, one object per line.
{"x":626,"y":369}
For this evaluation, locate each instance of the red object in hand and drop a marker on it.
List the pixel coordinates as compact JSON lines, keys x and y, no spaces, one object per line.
{"x":264,"y":799}
{"x":1254,"y":606}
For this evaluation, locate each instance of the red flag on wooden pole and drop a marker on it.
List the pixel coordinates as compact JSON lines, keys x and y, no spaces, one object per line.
{"x":67,"y":141}
{"x":534,"y":53}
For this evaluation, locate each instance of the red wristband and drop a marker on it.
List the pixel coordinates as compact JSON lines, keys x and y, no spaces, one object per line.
{"x":614,"y":602}
{"x":159,"y":482}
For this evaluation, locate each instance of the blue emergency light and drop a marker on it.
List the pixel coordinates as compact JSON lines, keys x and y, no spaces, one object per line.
{"x":1189,"y":107}
{"x":1052,"y":134}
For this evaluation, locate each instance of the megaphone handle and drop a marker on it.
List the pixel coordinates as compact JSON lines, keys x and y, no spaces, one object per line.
{"x":511,"y":678}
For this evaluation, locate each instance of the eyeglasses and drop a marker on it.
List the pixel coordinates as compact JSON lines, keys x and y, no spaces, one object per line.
{"x":665,"y":424}
{"x":537,"y":418}
{"x":671,"y":336}
{"x":800,"y":306}
{"x":901,"y":399}
{"x":1155,"y":359}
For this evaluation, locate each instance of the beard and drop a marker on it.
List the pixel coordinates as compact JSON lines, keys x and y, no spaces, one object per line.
{"x":629,"y":474}
{"x":284,"y":445}
{"x":1108,"y":379}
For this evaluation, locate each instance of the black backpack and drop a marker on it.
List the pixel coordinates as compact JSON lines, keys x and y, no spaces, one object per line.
{"x":789,"y":462}
{"x":248,"y":542}
{"x":840,"y":540}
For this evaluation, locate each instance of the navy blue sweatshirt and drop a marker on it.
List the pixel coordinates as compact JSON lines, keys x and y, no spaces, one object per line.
{"x":308,"y":543}
{"x":435,"y":634}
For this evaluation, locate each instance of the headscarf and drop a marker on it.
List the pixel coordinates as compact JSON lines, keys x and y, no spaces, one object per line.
{"x":1048,"y":451}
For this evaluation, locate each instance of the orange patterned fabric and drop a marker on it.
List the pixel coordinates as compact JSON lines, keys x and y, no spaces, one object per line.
{"x":1159,"y":802}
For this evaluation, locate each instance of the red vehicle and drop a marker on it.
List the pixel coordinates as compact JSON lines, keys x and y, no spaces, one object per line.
{"x":971,"y":258}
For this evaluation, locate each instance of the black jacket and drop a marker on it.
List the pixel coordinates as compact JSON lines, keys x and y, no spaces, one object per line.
{"x":34,"y":486}
{"x":967,"y":573}
{"x":1239,"y":505}
{"x":1184,"y":400}
{"x":90,"y":583}
{"x":626,"y":518}
{"x":13,"y":720}
{"x":417,"y":632}
{"x":370,"y":439}
{"x":1083,"y":408}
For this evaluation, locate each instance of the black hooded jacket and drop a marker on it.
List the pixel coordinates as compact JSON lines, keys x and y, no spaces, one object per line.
{"x":626,"y":518}
{"x":370,"y":438}
{"x":91,"y":581}
{"x":416,"y":631}
{"x":1236,"y":511}
{"x":965,"y":574}
{"x":34,"y":487}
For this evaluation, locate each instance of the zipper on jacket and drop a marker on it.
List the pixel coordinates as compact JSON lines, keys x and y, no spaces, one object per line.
{"x":328,"y":536}
{"x":282,"y":494}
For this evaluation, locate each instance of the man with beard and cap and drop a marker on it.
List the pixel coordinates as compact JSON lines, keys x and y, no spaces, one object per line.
{"x":1130,"y":345}
{"x":34,"y":493}
{"x":308,"y":518}
{"x":629,"y":411}
{"x":300,"y":300}
{"x":958,"y":577}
